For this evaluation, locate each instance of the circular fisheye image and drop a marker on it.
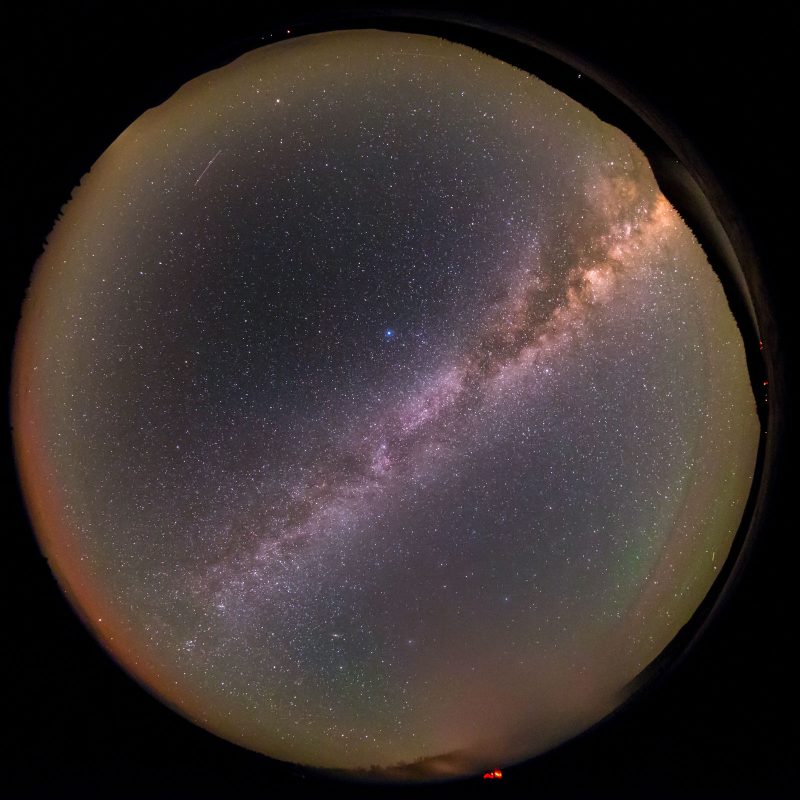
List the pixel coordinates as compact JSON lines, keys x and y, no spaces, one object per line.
{"x":377,"y":411}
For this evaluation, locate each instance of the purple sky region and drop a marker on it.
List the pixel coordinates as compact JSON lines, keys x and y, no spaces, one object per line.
{"x":376,"y":409}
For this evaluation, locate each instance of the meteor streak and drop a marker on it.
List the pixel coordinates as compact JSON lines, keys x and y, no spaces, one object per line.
{"x":207,"y":167}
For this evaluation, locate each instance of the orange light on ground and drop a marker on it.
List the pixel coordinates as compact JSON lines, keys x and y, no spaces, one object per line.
{"x":494,"y":774}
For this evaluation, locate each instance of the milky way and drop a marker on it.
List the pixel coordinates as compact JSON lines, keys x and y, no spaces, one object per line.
{"x":376,"y":409}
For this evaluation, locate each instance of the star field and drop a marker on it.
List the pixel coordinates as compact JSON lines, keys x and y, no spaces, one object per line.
{"x":374,"y":406}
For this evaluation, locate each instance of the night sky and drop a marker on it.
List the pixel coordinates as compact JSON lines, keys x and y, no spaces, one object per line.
{"x":374,"y":406}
